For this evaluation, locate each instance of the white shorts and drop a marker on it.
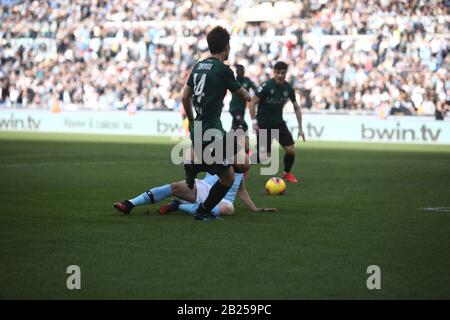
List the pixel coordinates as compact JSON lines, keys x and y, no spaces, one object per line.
{"x":203,"y":190}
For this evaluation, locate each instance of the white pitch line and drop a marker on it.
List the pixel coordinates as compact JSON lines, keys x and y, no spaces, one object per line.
{"x":437,"y":209}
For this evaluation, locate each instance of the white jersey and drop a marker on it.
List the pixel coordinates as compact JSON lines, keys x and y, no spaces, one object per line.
{"x":231,"y":194}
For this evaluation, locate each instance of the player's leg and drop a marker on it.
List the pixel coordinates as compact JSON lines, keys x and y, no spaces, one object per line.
{"x":217,"y":192}
{"x":182,"y":191}
{"x":287,"y":142}
{"x":202,"y":189}
{"x":153,"y":195}
{"x":225,"y":171}
{"x":263,"y":145}
{"x":249,"y":155}
{"x":247,"y":145}
{"x":241,"y":159}
{"x":223,"y":208}
{"x":226,"y":208}
{"x":190,"y":168}
{"x":235,"y":120}
{"x":191,"y":208}
{"x":241,"y":163}
{"x":289,"y":157}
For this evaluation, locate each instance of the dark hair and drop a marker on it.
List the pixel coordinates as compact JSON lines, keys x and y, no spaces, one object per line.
{"x":218,"y":39}
{"x":280,"y":65}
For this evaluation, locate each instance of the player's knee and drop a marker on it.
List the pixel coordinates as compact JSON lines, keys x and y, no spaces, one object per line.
{"x":228,"y":181}
{"x":227,"y":210}
{"x":241,"y":168}
{"x":241,"y":162}
{"x":227,"y":178}
{"x":247,"y":145}
{"x":176,"y":188}
{"x":290,"y":150}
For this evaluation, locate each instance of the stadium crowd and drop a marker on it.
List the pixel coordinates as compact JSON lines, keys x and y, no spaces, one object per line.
{"x":383,"y":56}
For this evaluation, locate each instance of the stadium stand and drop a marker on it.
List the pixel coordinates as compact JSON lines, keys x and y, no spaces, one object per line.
{"x":376,"y":56}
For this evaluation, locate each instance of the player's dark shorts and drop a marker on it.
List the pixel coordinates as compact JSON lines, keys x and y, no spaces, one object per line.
{"x":238,"y":121}
{"x":225,"y":161}
{"x":284,"y":138}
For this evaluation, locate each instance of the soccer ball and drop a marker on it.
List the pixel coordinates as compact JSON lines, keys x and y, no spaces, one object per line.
{"x":275,"y":186}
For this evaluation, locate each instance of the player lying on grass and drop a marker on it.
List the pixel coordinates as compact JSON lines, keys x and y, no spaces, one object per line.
{"x":193,"y":197}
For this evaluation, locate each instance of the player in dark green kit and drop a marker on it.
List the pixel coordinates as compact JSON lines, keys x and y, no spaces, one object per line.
{"x":205,"y":90}
{"x":237,"y":105}
{"x":271,"y":97}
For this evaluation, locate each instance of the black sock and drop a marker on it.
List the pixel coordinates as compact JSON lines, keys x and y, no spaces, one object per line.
{"x":288,"y":162}
{"x":216,"y":193}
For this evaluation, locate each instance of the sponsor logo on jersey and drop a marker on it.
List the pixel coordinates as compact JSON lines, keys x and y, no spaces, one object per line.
{"x":274,"y":100}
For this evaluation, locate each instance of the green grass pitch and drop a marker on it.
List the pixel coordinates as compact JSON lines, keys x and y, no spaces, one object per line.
{"x":357,"y":205}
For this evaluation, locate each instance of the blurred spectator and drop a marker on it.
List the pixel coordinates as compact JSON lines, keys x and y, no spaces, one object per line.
{"x":131,"y":55}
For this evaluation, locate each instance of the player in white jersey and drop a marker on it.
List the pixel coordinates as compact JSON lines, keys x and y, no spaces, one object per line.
{"x":191,"y":198}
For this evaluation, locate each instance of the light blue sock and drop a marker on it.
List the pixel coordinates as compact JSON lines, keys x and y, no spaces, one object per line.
{"x":216,"y":211}
{"x":190,"y":208}
{"x":153,"y":195}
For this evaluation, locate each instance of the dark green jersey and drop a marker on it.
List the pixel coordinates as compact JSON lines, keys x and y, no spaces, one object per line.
{"x":236,"y":103}
{"x":209,"y":80}
{"x":272,"y":99}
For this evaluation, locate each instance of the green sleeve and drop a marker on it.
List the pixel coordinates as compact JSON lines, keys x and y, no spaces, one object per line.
{"x":230,"y":81}
{"x":252,"y":85}
{"x":261,"y":91}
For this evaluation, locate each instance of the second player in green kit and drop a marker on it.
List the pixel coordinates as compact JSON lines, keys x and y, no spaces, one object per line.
{"x":270,"y":99}
{"x":237,"y":105}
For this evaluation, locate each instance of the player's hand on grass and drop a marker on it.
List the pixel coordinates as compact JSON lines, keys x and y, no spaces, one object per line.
{"x":301,"y":134}
{"x":266,"y":209}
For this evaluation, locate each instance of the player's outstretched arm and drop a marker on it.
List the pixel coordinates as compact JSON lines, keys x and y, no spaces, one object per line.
{"x":253,"y":86}
{"x":243,"y":94}
{"x":186,"y":99}
{"x":298,"y":113}
{"x":245,"y":197}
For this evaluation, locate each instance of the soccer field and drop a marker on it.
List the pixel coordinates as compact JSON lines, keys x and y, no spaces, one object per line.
{"x":356,"y":205}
